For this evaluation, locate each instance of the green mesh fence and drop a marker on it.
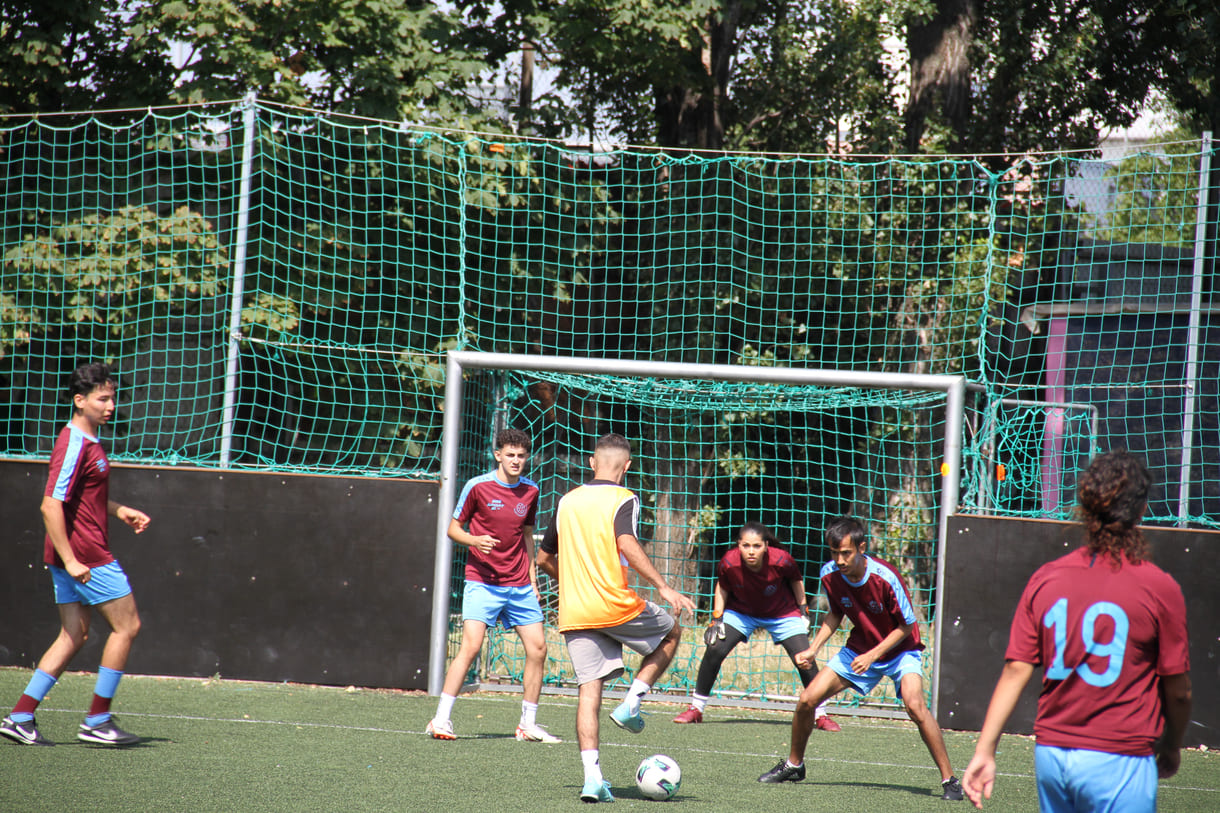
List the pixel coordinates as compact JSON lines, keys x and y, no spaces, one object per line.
{"x":303,"y":326}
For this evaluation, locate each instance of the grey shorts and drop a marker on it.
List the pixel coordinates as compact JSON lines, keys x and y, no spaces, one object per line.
{"x":598,"y":653}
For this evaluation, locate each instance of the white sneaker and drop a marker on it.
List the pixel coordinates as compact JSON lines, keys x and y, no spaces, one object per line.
{"x":440,"y":730}
{"x":536,"y":733}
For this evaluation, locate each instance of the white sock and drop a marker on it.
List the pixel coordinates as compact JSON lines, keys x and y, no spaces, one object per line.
{"x":820,"y":712}
{"x":699,"y":701}
{"x":445,"y":707}
{"x":529,"y":713}
{"x":593,"y":767}
{"x":635,"y":695}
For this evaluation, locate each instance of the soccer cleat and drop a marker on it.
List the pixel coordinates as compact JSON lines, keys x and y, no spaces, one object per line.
{"x":624,"y":719}
{"x":106,"y":733}
{"x":691,"y":715}
{"x":596,"y":790}
{"x":783,"y":772}
{"x":953,"y":789}
{"x":24,"y":733}
{"x":824,"y":723}
{"x":440,"y":730}
{"x":536,"y":733}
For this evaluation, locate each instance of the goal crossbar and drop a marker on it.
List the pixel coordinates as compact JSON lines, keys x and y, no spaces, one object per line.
{"x":458,"y":361}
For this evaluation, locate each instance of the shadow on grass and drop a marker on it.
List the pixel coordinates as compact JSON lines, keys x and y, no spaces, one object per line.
{"x":911,"y":789}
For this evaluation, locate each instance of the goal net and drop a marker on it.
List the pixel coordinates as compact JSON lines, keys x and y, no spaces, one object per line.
{"x":714,"y":446}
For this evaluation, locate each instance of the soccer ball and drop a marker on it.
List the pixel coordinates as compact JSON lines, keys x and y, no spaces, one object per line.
{"x":658,"y":777}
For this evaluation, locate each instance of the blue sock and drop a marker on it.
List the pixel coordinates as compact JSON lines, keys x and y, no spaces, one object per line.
{"x":107,"y":681}
{"x":40,"y":684}
{"x":107,"y":685}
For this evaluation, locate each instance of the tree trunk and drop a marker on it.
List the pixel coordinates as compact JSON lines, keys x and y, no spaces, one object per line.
{"x":690,"y":116}
{"x":678,"y":488}
{"x":525,"y":95}
{"x":940,"y":67}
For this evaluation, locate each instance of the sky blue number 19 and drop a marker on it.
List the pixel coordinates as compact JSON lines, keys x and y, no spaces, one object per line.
{"x":1056,"y":619}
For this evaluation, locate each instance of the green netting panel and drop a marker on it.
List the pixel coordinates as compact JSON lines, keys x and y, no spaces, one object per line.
{"x":710,"y":456}
{"x":102,"y":261}
{"x":1025,"y":456}
{"x":372,"y":247}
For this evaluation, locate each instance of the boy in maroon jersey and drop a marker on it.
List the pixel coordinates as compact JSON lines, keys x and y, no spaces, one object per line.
{"x":501,"y":579}
{"x":86,"y":576}
{"x":884,"y":642}
{"x":758,"y":586}
{"x":1109,"y":629}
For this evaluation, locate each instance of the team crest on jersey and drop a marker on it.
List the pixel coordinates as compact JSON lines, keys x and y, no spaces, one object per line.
{"x":874,"y":606}
{"x":521,"y":510}
{"x":845,"y":601}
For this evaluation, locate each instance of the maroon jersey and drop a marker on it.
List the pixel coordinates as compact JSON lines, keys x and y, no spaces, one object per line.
{"x":877,"y":605}
{"x":765,"y":594}
{"x":1103,"y":635}
{"x":502,"y":511}
{"x":80,"y":479}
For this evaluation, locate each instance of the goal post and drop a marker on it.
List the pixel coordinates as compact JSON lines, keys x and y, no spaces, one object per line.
{"x":953,"y":388}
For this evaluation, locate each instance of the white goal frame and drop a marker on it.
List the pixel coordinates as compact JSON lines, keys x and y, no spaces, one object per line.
{"x":954,"y":387}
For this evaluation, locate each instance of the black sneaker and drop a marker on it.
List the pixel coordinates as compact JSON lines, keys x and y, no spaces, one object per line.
{"x":953,"y":790}
{"x":106,"y":733}
{"x":24,"y":733}
{"x":783,"y":772}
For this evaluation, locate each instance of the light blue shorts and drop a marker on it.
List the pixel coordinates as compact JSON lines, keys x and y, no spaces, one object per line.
{"x":490,"y":603}
{"x":907,"y":663}
{"x":781,"y":629}
{"x":1071,"y":779}
{"x":106,"y":583}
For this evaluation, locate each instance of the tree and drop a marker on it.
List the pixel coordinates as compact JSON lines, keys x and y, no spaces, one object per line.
{"x":77,"y":55}
{"x":814,"y":79}
{"x":376,"y":58}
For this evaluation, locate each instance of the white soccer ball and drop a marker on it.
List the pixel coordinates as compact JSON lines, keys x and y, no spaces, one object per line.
{"x":658,"y":777}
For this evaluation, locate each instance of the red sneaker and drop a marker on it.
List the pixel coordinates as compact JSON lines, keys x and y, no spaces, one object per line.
{"x":691,"y":715}
{"x":824,"y":723}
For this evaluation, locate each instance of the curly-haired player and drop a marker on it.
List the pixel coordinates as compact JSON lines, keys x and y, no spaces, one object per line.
{"x":1109,"y":629}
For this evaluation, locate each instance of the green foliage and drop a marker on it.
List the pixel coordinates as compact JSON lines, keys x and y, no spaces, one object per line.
{"x":79,"y":55}
{"x":1156,"y":196}
{"x":114,"y":277}
{"x":814,"y":81}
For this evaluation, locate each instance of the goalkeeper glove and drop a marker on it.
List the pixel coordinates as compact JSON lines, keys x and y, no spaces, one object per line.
{"x":714,"y":631}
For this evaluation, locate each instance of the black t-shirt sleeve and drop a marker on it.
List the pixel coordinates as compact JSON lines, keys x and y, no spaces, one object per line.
{"x":550,"y":540}
{"x":625,"y":518}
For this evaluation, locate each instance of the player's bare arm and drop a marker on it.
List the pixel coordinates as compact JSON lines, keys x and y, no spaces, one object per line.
{"x":638,"y":561}
{"x":57,"y":530}
{"x":527,"y":538}
{"x":1176,"y":701}
{"x":137,"y":520}
{"x":548,"y":563}
{"x":830,"y":623}
{"x":861,"y":663}
{"x":482,"y":543}
{"x":720,"y":600}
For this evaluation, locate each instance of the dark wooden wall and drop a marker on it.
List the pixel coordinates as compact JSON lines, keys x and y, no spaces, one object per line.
{"x":989,"y":560}
{"x":254,"y":576}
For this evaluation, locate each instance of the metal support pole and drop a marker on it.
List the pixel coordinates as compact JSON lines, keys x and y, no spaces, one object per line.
{"x":438,"y":644}
{"x":955,"y":409}
{"x":1191,"y":395}
{"x":239,"y":279}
